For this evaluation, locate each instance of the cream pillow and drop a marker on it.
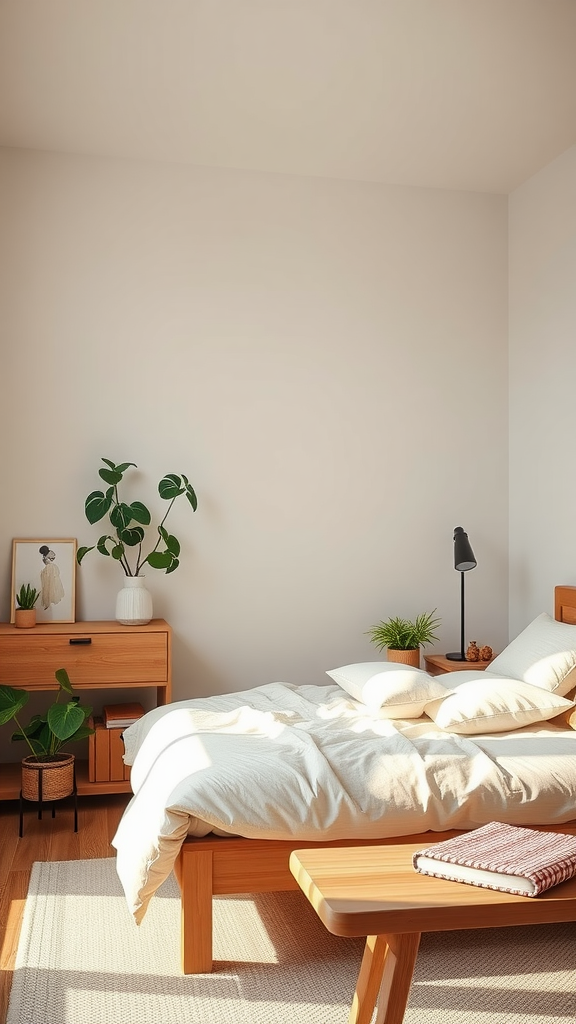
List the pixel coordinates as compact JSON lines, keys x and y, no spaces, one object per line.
{"x":396,"y":691}
{"x":490,"y":703}
{"x":543,"y":654}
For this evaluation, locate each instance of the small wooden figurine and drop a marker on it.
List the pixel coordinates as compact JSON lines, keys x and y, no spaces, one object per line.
{"x":486,"y":653}
{"x":473,"y":652}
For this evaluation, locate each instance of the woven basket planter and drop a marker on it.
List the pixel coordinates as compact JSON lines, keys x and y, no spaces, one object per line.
{"x":57,"y":777}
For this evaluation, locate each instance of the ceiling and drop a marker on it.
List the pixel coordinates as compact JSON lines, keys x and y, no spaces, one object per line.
{"x":456,"y":94}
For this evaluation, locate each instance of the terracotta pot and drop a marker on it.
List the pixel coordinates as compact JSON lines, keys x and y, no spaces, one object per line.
{"x":57,"y":777}
{"x":24,"y":618}
{"x":411,"y":658}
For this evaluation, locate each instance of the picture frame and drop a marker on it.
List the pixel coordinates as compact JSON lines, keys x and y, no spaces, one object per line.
{"x":49,"y":565}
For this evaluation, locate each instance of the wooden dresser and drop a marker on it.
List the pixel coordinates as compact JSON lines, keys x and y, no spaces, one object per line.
{"x":97,"y":656}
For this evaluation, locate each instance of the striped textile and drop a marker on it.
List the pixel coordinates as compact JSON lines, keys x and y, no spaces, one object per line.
{"x":544,"y":858}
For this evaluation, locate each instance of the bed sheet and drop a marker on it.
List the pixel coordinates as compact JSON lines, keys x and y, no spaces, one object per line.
{"x":308,"y":762}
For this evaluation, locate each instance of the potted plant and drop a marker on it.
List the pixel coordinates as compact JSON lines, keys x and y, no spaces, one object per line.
{"x":404,"y":638}
{"x":25,"y":613}
{"x":125,"y":541}
{"x":45,"y":736}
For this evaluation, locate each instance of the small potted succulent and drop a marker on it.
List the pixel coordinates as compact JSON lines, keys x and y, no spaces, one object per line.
{"x":45,"y":736}
{"x":125,"y":541}
{"x":403,"y":638}
{"x":25,"y":613}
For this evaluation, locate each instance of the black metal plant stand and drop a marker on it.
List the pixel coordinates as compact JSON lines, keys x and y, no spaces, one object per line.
{"x":41,"y":804}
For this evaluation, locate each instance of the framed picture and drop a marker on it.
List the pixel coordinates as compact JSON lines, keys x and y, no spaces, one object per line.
{"x":49,"y":566}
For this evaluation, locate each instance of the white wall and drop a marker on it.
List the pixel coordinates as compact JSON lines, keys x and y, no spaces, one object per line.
{"x":326,"y":361}
{"x":542,"y":388}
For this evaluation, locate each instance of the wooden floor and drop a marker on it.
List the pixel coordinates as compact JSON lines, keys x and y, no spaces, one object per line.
{"x":49,"y":839}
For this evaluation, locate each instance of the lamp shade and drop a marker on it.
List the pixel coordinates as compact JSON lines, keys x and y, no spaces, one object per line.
{"x":463,"y":555}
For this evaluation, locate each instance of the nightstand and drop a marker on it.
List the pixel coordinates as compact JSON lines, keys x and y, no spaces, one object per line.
{"x":437,"y":664}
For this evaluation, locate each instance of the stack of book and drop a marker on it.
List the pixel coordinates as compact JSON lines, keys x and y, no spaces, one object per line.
{"x":105,"y":745}
{"x":523,"y":861}
{"x":120,"y":716}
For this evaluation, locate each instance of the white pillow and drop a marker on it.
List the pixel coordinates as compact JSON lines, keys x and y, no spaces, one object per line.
{"x":543,"y":654}
{"x":397,"y":691}
{"x":490,"y":703}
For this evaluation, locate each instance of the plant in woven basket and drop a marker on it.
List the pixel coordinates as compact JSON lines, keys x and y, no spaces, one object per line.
{"x":404,"y":635}
{"x":61,"y":724}
{"x":27,"y":596}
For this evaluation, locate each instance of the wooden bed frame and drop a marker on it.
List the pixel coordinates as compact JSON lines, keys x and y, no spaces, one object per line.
{"x":217,"y":866}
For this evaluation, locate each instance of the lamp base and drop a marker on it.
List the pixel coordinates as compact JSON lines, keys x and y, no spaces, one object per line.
{"x":456,"y":656}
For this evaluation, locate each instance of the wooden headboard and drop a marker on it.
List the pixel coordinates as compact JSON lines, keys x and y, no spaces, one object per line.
{"x":565,"y":604}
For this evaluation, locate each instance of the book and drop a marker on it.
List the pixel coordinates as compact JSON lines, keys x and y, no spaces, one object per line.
{"x":523,"y":861}
{"x":120,"y":716}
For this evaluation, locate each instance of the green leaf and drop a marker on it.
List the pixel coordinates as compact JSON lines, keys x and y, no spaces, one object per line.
{"x":117,"y":552}
{"x":11,"y":702}
{"x":132,"y":537}
{"x":173,"y":545}
{"x":159,"y":559}
{"x":124,"y":466}
{"x":110,"y":476}
{"x":170,"y":486}
{"x":121,"y":516}
{"x":96,"y":506}
{"x":191,"y":495}
{"x":65,"y":719}
{"x":84,"y":551}
{"x":140,"y":513}
{"x":63,"y":679}
{"x":102,"y":545}
{"x":82,"y":733}
{"x":41,"y":744}
{"x":37,"y":729}
{"x":174,"y":566}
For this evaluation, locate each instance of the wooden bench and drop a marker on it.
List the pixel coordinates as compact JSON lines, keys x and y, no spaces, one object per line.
{"x":375,"y":891}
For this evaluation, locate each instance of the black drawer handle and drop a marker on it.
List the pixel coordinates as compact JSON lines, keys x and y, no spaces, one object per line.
{"x":80,"y":640}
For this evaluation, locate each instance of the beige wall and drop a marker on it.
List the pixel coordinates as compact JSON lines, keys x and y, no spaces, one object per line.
{"x":326,"y":361}
{"x":542,"y":383}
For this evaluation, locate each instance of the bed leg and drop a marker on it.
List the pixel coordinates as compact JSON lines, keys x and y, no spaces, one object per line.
{"x":195,"y":876}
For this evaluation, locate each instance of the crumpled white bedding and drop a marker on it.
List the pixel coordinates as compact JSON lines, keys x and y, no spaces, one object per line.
{"x":308,"y":762}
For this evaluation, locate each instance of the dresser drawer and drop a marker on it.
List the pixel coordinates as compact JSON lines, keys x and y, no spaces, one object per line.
{"x":90,"y":658}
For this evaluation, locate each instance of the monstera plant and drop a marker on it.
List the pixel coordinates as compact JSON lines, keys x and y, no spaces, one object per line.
{"x":129,"y":522}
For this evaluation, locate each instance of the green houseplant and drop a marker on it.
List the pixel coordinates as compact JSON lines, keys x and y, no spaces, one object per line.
{"x":45,"y":736}
{"x":403,"y":638}
{"x":128,"y":522}
{"x":125,"y":541}
{"x":25,"y":613}
{"x":27,"y":596}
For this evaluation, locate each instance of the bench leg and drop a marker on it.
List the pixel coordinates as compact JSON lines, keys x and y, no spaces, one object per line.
{"x":385,"y":976}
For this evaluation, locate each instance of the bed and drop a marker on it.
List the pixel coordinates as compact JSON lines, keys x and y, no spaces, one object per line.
{"x":226,"y":787}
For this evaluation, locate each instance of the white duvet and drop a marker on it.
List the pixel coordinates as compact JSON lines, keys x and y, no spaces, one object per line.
{"x":308,"y":762}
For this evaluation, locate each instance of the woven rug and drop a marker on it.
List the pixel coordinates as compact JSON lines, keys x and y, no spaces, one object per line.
{"x":82,"y":960}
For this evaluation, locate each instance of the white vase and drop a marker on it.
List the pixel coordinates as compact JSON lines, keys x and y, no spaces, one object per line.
{"x":134,"y":602}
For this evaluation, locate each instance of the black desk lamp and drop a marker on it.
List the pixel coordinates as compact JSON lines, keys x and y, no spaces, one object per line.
{"x":463,"y":561}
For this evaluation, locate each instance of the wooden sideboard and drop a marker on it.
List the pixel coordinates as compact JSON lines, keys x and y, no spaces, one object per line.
{"x":97,"y":656}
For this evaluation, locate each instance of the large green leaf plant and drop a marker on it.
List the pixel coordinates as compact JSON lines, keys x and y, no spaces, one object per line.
{"x":61,"y":724}
{"x":129,"y":522}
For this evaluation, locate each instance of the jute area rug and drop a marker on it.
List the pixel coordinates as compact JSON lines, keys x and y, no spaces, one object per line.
{"x":82,"y":960}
